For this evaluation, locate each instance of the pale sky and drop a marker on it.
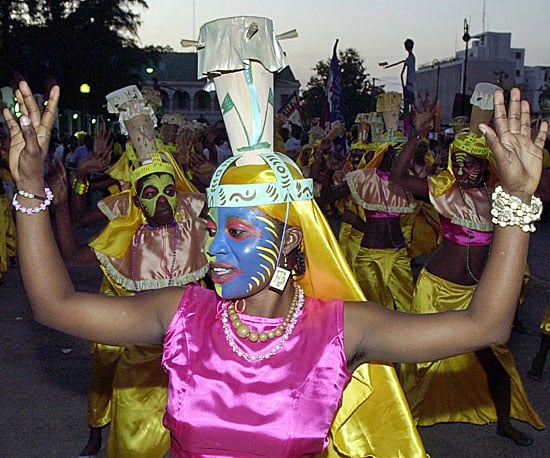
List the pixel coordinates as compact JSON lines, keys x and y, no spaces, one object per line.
{"x":375,"y":29}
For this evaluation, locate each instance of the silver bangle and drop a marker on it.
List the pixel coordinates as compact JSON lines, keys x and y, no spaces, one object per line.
{"x":510,"y":210}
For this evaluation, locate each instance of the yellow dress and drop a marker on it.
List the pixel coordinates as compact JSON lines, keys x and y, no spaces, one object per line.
{"x":128,"y":387}
{"x":545,"y":323}
{"x":8,"y":239}
{"x":384,"y":274}
{"x":455,"y":389}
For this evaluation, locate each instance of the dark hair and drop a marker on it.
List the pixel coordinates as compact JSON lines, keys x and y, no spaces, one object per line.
{"x":409,"y":44}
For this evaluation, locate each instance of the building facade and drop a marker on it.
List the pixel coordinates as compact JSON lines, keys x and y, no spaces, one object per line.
{"x":491,"y":59}
{"x":182,"y":92}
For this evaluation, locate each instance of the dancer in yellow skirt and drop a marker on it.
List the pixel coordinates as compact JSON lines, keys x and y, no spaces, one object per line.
{"x":478,"y":387}
{"x":152,"y":241}
{"x":8,"y":239}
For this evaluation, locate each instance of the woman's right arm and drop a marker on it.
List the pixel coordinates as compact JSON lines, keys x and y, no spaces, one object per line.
{"x":54,"y":301}
{"x":400,"y":175}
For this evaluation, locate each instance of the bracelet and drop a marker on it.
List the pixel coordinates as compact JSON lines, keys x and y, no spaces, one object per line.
{"x":80,"y":187}
{"x":30,"y":195}
{"x":46,"y":202}
{"x":509,"y":210}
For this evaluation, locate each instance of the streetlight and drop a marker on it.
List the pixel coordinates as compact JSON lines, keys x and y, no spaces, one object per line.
{"x":84,"y":90}
{"x":466,"y":38}
{"x":436,"y":62}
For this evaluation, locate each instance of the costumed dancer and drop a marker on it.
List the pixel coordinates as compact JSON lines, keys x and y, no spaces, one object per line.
{"x":8,"y":238}
{"x":153,"y":240}
{"x":382,"y":264}
{"x":421,"y":228}
{"x":236,"y":384}
{"x":352,"y":226}
{"x":482,"y":386}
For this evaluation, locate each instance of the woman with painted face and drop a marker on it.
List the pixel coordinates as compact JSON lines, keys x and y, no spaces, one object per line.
{"x":481,"y":386}
{"x":153,"y":239}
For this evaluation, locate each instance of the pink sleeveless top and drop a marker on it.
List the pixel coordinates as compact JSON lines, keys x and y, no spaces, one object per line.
{"x":220,"y":405}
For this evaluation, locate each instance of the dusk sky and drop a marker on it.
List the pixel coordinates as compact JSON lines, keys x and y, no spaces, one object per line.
{"x":375,"y":29}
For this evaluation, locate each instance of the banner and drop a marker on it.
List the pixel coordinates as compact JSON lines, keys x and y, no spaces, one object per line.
{"x":291,"y":110}
{"x":334,"y":105}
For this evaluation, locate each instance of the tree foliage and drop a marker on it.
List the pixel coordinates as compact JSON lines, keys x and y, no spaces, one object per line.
{"x":70,"y":43}
{"x":359,"y":94}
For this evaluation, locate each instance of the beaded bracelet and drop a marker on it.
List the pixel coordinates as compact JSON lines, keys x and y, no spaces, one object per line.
{"x":80,"y":187}
{"x":46,"y":201}
{"x":509,"y":210}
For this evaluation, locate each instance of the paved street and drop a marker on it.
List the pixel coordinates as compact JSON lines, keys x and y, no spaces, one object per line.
{"x":44,"y":376}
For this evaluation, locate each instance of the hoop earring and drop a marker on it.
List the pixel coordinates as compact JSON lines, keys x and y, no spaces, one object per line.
{"x":243,"y":305}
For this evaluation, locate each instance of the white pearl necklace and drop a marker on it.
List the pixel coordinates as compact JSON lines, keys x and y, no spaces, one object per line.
{"x":288,"y":331}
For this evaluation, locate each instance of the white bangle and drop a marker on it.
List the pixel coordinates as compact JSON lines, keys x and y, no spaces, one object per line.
{"x":509,"y":210}
{"x":46,"y":201}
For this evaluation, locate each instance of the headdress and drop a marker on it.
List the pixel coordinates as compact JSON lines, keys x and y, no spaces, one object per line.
{"x":144,"y":155}
{"x":173,"y":118}
{"x":128,"y":102}
{"x":156,"y":164}
{"x":388,"y":101}
{"x":376,"y":125}
{"x":471,"y":140}
{"x":363,"y":126}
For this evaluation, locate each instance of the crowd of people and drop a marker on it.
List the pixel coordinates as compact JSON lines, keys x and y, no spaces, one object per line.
{"x":220,"y":265}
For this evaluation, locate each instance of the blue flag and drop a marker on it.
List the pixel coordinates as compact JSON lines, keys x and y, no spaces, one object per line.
{"x":334,"y":105}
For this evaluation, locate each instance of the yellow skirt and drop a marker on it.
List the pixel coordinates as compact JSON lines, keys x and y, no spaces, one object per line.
{"x":421,"y":229}
{"x":545,"y":323}
{"x":129,"y":389}
{"x":343,"y":235}
{"x":455,"y":389}
{"x":8,"y":239}
{"x":385,"y":276}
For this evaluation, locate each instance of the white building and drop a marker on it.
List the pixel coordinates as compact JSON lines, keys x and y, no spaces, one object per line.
{"x":181,"y":91}
{"x":490,"y":59}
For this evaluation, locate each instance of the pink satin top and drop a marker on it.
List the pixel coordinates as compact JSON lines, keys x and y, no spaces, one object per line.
{"x":220,"y":405}
{"x":159,"y":257}
{"x":462,"y":235}
{"x":464,"y":216}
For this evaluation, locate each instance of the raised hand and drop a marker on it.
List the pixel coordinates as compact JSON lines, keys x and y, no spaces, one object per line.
{"x":424,"y":112}
{"x":57,"y":182}
{"x":100,"y":158}
{"x":518,"y":158}
{"x":28,"y":149}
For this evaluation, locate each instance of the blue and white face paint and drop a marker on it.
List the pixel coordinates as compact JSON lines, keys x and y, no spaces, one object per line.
{"x":242,"y":249}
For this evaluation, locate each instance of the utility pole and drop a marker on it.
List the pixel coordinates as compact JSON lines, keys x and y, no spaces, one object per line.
{"x":466,"y":38}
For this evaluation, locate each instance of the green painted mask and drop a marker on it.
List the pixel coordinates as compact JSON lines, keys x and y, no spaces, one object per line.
{"x":153,"y":188}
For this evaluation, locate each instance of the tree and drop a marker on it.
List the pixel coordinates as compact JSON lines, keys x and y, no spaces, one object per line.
{"x":358,"y":92}
{"x":73,"y":42}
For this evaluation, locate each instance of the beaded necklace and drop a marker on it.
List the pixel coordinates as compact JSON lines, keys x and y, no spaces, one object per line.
{"x":288,"y":325}
{"x":135,"y":240}
{"x":470,"y":226}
